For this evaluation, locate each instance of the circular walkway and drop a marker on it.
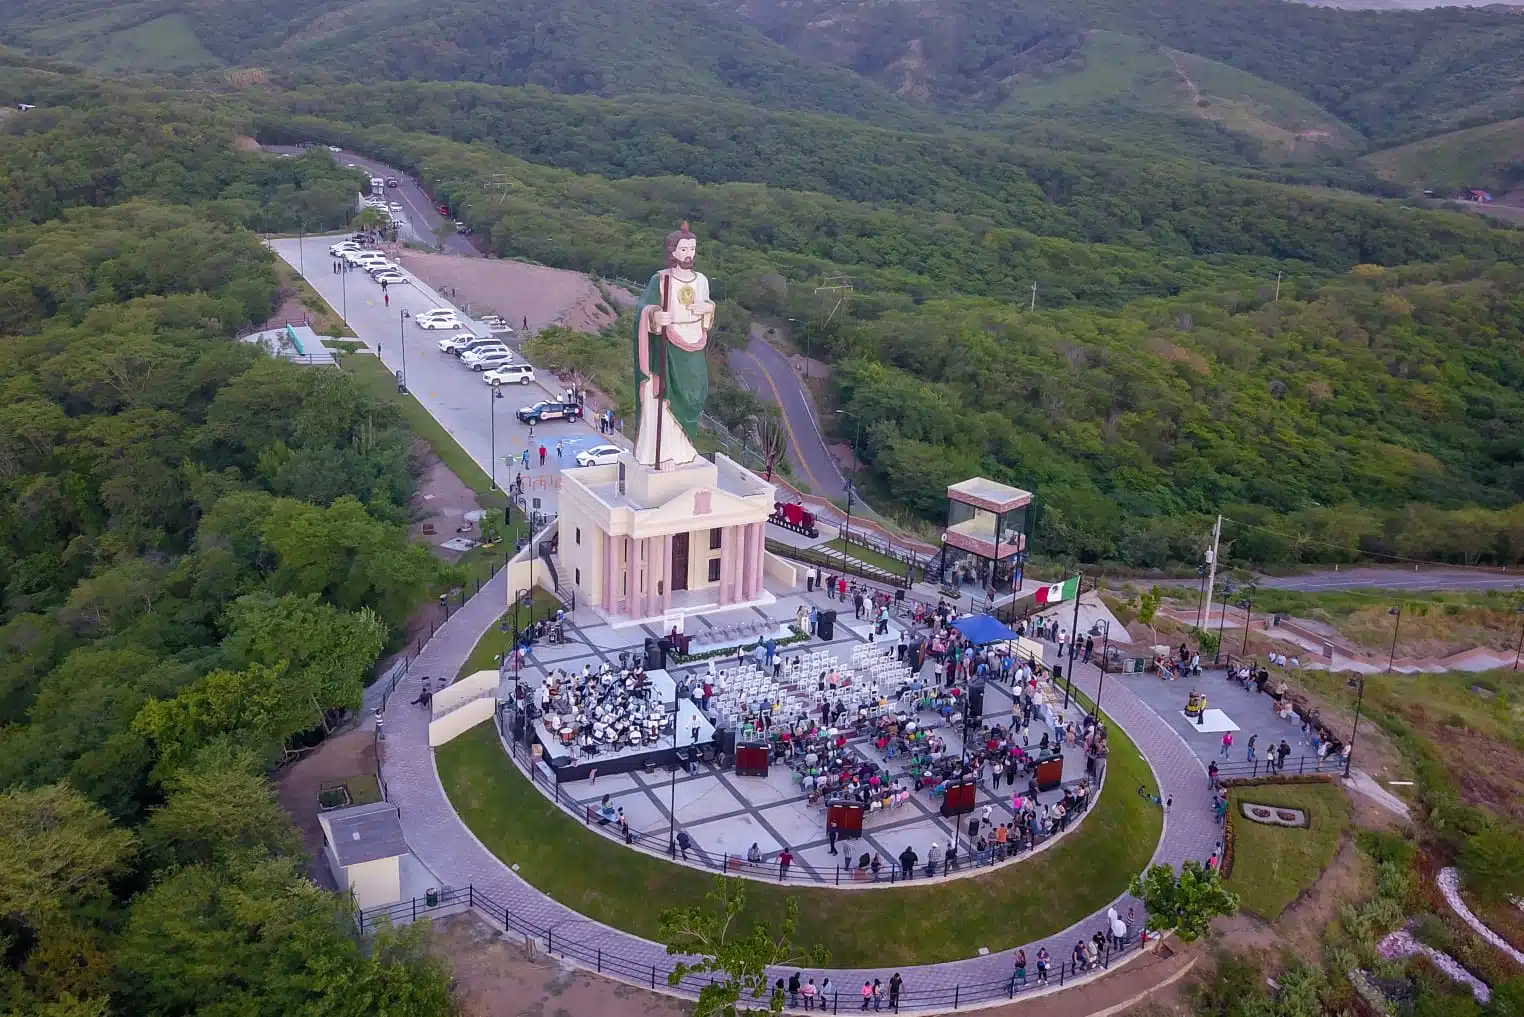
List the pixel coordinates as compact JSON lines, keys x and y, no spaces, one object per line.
{"x":439,"y":838}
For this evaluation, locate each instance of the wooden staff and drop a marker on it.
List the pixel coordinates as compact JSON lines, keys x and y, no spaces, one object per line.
{"x":661,"y":371}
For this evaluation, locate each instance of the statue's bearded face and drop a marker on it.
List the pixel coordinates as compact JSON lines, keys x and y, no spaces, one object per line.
{"x":684,"y":253}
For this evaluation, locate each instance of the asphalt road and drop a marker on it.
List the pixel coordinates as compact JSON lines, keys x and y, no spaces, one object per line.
{"x":767,"y":373}
{"x":451,"y":392}
{"x":420,"y":210}
{"x":1427,"y":578}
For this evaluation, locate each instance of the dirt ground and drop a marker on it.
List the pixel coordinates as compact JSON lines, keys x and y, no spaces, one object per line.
{"x":544,"y":296}
{"x":441,"y":504}
{"x":1298,"y":932}
{"x":494,"y":977}
{"x":344,"y":755}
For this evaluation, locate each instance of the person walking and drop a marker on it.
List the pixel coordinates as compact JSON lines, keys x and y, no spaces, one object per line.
{"x":808,"y":991}
{"x":809,"y":579}
{"x":878,"y":994}
{"x":867,"y":994}
{"x":793,"y":989}
{"x":831,"y":834}
{"x":1227,"y":745}
{"x":1019,"y":975}
{"x":683,"y":843}
{"x":785,"y":859}
{"x":1089,"y":647}
{"x":896,"y":983}
{"x":542,"y":455}
{"x":1253,"y":738}
{"x":1044,"y":961}
{"x":907,"y":862}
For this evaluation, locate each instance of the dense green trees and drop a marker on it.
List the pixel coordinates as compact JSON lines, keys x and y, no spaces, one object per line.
{"x":1378,"y":412}
{"x":202,"y":556}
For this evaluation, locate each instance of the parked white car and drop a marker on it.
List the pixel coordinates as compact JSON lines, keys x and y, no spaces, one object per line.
{"x":391,"y":278}
{"x":439,"y":324}
{"x":509,"y":374}
{"x":599,"y":455}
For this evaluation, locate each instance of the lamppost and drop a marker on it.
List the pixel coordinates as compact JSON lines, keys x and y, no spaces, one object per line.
{"x":402,"y":318}
{"x":1396,"y":613}
{"x":496,"y":394}
{"x":1359,"y":683}
{"x":301,"y":246}
{"x":804,"y":327}
{"x":1105,"y":645}
{"x":856,"y":437}
{"x":672,"y":791}
{"x":1248,"y":605}
{"x":1227,"y":589}
{"x":1520,"y":610}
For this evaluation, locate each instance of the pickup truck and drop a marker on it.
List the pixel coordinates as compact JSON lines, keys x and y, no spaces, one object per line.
{"x":543,"y":411}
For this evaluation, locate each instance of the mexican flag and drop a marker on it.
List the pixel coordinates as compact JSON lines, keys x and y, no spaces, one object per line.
{"x":1065,"y":590}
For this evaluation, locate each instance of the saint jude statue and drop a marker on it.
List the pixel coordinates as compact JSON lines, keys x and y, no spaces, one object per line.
{"x":671,"y":377}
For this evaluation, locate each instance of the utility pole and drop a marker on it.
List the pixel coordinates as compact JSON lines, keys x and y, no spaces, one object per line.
{"x":1212,"y":571}
{"x":1033,"y":306}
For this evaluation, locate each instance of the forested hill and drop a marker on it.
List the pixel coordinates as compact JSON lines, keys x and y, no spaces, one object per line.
{"x":203,"y":553}
{"x":1392,"y":75}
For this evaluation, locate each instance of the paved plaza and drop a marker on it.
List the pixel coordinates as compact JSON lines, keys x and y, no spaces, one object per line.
{"x":438,"y":836}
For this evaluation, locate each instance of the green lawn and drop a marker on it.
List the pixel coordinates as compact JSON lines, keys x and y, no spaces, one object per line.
{"x":603,"y":879}
{"x":1272,"y":865}
{"x":484,"y":655}
{"x":371,"y":373}
{"x":867,"y":556}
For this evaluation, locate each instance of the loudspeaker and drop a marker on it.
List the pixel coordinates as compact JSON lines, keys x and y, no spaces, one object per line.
{"x":974,"y":708}
{"x":825,"y":625}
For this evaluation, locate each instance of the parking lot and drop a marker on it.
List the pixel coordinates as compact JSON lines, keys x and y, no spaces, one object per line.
{"x":457,"y":397}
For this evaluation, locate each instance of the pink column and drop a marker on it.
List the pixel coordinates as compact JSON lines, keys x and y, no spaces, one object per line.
{"x":637,"y":575}
{"x":626,"y":576}
{"x":757,"y":544}
{"x":666,"y":568}
{"x":748,"y":562}
{"x":727,"y":548}
{"x":658,"y":573}
{"x":610,"y":578}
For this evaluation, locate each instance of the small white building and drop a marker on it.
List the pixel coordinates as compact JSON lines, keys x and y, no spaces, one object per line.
{"x":364,"y":847}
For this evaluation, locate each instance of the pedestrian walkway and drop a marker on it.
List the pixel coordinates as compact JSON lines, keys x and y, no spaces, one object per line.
{"x":442,"y":841}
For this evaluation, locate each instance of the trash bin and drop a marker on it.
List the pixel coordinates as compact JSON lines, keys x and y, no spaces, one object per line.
{"x":431,"y":897}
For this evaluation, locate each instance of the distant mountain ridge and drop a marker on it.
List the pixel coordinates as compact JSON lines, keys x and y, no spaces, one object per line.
{"x":1310,"y":74}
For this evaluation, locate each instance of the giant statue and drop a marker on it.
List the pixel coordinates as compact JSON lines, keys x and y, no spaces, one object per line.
{"x":671,"y":378}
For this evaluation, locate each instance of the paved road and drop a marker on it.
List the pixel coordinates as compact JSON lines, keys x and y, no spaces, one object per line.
{"x":420,"y":210}
{"x":454,"y":395}
{"x":438,"y":837}
{"x":767,"y":373}
{"x":1425,"y":579}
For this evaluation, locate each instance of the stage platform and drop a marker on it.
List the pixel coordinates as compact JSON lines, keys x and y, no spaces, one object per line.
{"x":574,"y":762}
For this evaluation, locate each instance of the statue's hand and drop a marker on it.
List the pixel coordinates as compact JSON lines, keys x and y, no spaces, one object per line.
{"x":659,"y":319}
{"x":704,"y":308}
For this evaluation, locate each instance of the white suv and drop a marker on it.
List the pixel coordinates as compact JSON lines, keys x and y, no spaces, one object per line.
{"x":484,"y":357}
{"x":456,"y":343}
{"x":510,"y":374}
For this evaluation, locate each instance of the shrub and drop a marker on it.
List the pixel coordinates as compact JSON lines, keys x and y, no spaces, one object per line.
{"x":1492,"y":862}
{"x":1383,"y":846}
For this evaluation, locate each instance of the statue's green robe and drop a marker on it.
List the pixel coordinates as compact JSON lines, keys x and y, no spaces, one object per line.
{"x":686,"y":386}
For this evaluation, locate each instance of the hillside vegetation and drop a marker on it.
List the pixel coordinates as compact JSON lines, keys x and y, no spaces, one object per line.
{"x":203,"y":552}
{"x":1489,"y":157}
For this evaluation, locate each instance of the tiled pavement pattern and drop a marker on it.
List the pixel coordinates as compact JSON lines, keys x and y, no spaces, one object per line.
{"x":438,"y":837}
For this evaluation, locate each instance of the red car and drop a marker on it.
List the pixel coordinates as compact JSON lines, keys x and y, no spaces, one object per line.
{"x":444,"y":210}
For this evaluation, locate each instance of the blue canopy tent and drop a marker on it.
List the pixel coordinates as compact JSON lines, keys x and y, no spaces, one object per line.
{"x":982,"y":629}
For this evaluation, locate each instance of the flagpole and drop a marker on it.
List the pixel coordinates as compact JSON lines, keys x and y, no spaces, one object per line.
{"x":1079,"y":578}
